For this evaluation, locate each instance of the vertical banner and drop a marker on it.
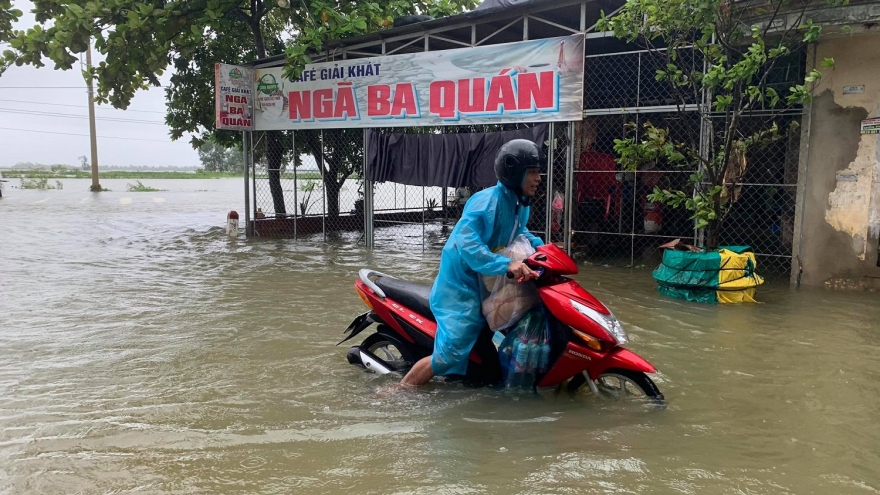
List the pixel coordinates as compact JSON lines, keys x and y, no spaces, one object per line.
{"x":528,"y":81}
{"x":234,"y":106}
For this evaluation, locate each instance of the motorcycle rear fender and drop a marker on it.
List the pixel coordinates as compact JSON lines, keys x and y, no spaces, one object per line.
{"x":392,"y":313}
{"x":359,"y":325}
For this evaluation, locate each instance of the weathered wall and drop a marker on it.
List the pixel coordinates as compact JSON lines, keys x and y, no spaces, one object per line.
{"x":838,"y":219}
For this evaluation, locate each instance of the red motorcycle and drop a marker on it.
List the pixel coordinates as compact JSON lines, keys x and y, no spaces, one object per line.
{"x":586,"y":345}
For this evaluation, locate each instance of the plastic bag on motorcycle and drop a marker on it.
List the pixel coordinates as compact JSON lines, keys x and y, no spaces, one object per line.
{"x":525,"y":351}
{"x":508,"y":301}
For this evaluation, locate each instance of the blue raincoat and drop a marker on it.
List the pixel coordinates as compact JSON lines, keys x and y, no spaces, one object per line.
{"x":491,"y":220}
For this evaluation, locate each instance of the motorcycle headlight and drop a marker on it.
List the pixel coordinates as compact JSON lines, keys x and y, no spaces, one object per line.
{"x":609,"y":322}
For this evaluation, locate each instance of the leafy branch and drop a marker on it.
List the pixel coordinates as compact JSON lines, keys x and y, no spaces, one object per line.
{"x":718,"y":59}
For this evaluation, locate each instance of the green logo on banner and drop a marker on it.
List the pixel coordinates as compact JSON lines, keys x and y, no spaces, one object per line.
{"x":235,"y":73}
{"x":267,"y":84}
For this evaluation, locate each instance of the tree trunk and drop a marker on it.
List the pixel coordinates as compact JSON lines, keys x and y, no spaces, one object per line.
{"x":332,"y":187}
{"x":712,"y":231}
{"x":329,"y":167}
{"x":259,"y":41}
{"x":275,"y":158}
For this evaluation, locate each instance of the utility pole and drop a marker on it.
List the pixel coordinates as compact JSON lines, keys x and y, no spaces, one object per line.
{"x":96,"y":186}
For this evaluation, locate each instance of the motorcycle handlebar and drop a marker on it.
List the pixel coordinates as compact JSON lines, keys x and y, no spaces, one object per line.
{"x":526,"y":261}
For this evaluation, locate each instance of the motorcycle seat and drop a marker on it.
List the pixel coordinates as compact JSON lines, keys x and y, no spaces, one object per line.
{"x":411,"y":294}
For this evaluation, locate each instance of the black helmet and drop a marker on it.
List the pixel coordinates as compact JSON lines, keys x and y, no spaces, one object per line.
{"x":512,"y":161}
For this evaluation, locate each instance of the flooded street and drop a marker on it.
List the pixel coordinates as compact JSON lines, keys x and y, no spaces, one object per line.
{"x":142,"y":351}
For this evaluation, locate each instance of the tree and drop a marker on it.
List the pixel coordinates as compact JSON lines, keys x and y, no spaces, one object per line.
{"x":8,"y":15}
{"x":139,"y":39}
{"x":217,"y":158}
{"x":717,"y":56}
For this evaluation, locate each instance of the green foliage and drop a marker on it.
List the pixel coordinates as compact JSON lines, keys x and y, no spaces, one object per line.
{"x":217,"y":158}
{"x":34,"y":169}
{"x":138,"y":186}
{"x":140,"y":40}
{"x":326,"y":21}
{"x":727,"y":50}
{"x":8,"y":16}
{"x":38,"y":183}
{"x":308,"y":186}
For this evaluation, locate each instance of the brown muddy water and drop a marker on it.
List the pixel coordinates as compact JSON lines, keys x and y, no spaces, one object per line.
{"x":141,"y":351}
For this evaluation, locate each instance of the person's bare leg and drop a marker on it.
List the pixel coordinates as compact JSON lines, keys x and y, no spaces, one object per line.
{"x":420,"y":374}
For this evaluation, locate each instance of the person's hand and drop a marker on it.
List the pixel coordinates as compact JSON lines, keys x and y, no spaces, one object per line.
{"x":520,"y":271}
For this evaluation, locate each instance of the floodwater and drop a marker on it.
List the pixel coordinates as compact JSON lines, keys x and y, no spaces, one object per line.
{"x":141,"y":351}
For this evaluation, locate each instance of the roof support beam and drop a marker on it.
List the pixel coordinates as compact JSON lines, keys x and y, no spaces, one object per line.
{"x":509,"y":24}
{"x":420,"y":38}
{"x":560,"y":26}
{"x":449,"y":40}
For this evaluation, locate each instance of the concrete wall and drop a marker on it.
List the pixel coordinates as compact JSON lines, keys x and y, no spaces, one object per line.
{"x":837,"y":225}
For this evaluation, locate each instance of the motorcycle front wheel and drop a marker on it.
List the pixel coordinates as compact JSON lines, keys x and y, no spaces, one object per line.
{"x":621,"y":384}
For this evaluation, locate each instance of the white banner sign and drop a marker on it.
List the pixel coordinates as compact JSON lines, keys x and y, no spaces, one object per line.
{"x":529,"y":81}
{"x":234,"y":105}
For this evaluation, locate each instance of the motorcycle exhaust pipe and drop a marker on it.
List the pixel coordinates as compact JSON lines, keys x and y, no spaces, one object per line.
{"x":373,"y":363}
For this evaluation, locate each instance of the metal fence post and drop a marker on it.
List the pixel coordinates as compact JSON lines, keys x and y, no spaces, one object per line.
{"x":295,"y":183}
{"x":246,"y":157}
{"x":253,"y":167}
{"x":423,"y":218}
{"x":369,"y":237}
{"x":324,"y":185}
{"x":551,"y":150}
{"x":569,"y":180}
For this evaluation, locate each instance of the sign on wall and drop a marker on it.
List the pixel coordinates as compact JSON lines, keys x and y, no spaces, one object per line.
{"x":234,"y":104}
{"x":871,"y":126}
{"x":528,"y":81}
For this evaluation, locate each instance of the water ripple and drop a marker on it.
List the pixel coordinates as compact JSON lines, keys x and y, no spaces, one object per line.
{"x":144,"y":352}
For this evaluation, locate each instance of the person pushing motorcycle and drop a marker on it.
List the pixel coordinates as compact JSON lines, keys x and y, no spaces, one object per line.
{"x":491,"y":219}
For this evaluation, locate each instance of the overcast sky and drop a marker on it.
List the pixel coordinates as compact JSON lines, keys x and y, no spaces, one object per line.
{"x":46,"y":120}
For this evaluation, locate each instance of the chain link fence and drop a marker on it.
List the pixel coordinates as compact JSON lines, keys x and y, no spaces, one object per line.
{"x":614,"y":223}
{"x":309,"y":184}
{"x":762,"y":213}
{"x":549,"y":205}
{"x":423,"y":217}
{"x":416,"y":217}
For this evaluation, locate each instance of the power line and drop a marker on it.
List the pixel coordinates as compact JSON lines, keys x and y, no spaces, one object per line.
{"x":83,"y":135}
{"x":69,"y":116}
{"x":77,"y":106}
{"x":63,"y":115}
{"x":43,"y":87}
{"x":57,"y":87}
